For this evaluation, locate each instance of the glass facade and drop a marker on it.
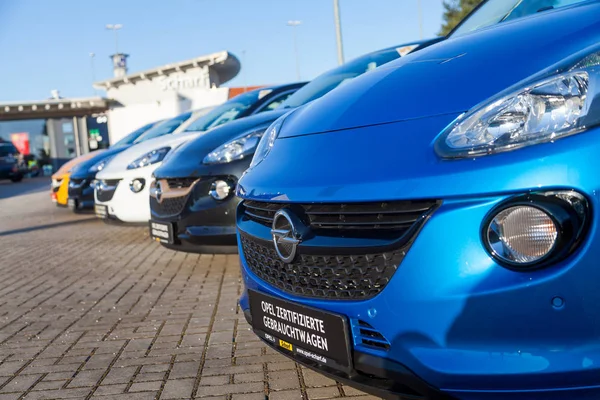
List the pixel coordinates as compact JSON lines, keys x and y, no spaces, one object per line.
{"x":30,"y":137}
{"x":54,"y":141}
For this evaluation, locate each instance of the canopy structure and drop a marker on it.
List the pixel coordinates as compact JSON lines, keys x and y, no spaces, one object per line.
{"x":52,"y":108}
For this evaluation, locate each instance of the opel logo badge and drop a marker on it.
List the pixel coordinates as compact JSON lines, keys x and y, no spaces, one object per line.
{"x":285,"y":236}
{"x":158,"y":192}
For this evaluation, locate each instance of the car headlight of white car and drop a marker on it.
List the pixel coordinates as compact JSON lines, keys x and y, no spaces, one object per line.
{"x":552,"y":105}
{"x":99,"y":166}
{"x":236,"y":149}
{"x":152,"y":157}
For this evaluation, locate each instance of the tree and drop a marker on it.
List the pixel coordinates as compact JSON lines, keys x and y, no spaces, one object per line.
{"x":455,"y":11}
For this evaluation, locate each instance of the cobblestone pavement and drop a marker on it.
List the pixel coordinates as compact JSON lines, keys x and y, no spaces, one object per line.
{"x":89,"y":310}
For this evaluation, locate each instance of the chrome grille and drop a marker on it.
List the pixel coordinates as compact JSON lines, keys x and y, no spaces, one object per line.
{"x":390,"y":216}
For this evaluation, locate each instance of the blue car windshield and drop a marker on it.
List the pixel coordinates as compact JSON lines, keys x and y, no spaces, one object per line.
{"x":227,"y":111}
{"x":129,"y":139}
{"x":331,"y":79}
{"x":495,"y":11}
{"x":164,"y":128}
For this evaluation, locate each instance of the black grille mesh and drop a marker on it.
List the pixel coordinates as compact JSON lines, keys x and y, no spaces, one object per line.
{"x":107,"y":195}
{"x":168,"y":206}
{"x":342,"y":277}
{"x":181,"y":183}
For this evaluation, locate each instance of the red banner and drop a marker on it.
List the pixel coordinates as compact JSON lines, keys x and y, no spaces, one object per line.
{"x":21,"y":142}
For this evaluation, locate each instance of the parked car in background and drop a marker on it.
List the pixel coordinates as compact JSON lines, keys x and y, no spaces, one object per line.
{"x":81,"y":189}
{"x":443,"y":245}
{"x":121,"y":192}
{"x":59,"y":187}
{"x":10,"y":166}
{"x":192,"y":199}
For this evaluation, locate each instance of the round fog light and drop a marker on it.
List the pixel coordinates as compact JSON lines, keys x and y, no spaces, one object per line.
{"x":522,"y":235}
{"x":137,"y":185}
{"x":220,"y":190}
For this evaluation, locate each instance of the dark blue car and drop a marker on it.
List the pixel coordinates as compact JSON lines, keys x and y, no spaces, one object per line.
{"x":10,"y":166}
{"x":81,"y":189}
{"x":430,"y":228}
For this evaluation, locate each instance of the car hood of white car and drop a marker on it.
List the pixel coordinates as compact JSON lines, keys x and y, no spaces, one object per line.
{"x":117,"y":167}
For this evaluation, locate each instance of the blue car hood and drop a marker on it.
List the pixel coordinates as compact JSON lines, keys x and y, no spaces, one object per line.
{"x":454,"y":75}
{"x":187,"y":160}
{"x":81,"y":171}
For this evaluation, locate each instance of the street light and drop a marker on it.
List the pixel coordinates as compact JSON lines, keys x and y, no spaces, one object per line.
{"x":338,"y":31}
{"x":294,"y":24}
{"x":92,"y":56}
{"x":115,"y":28}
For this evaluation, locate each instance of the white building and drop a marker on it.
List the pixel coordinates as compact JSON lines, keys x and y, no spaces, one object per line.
{"x":166,"y":91}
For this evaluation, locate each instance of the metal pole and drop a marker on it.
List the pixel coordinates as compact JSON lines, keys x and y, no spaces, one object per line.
{"x":296,"y":55}
{"x":420,"y":19}
{"x":294,"y":25}
{"x":92,"y":56}
{"x":338,"y":31}
{"x":116,"y":41}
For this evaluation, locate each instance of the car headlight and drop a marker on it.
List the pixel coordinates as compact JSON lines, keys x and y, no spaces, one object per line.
{"x":550,"y":106}
{"x":236,"y":149}
{"x":267,"y":141}
{"x":152,"y":157}
{"x":100,"y":165}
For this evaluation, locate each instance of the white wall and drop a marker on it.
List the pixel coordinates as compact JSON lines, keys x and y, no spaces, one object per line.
{"x":163,"y":97}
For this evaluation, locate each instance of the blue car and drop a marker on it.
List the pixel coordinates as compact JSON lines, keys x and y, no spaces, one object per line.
{"x":81,"y":189}
{"x":440,"y":241}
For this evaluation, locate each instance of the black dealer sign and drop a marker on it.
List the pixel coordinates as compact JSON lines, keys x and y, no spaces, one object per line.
{"x":314,"y":334}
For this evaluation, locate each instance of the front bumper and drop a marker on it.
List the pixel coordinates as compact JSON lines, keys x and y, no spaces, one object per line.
{"x":9,"y":171}
{"x":201,"y":220}
{"x":81,"y":192}
{"x":60,"y":191}
{"x":123,"y":204}
{"x":453,"y":316}
{"x":471,"y":328}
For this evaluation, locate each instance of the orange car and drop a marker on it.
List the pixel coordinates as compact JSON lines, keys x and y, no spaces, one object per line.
{"x":60,"y":180}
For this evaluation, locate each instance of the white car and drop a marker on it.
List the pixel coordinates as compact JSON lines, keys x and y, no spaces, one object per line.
{"x":122,"y":187}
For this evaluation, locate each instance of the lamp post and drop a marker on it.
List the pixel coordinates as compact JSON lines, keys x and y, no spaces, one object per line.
{"x":294,"y":24}
{"x":338,"y":31}
{"x":115,"y":28}
{"x":92,"y":57}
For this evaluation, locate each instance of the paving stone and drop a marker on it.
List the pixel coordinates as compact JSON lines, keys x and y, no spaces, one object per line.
{"x":230,"y":388}
{"x":323,"y":393}
{"x":145,"y":386}
{"x":106,"y":390}
{"x":178,"y":389}
{"x":283,"y":380}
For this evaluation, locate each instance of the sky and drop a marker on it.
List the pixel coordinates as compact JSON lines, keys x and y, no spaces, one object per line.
{"x":47,"y":44}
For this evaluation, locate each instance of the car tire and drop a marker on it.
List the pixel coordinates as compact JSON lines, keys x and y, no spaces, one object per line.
{"x":17,"y":178}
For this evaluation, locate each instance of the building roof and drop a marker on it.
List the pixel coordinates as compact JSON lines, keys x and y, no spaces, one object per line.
{"x":52,"y":108}
{"x":224,"y":64}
